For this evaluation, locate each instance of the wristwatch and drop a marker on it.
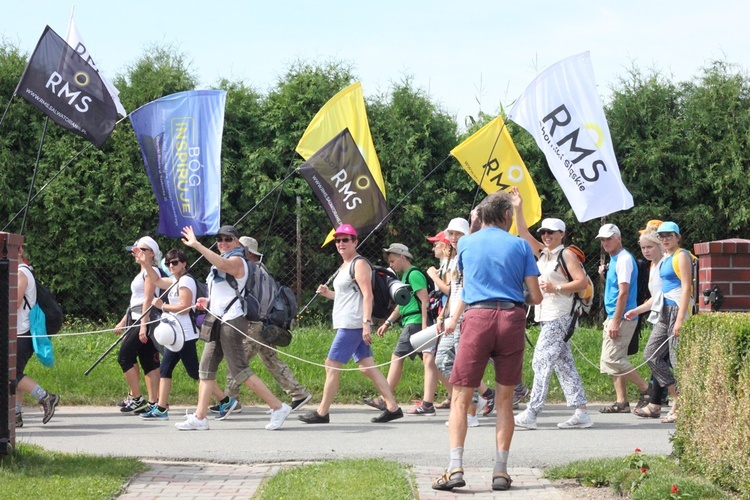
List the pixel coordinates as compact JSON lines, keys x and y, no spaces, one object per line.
{"x":558,"y":288}
{"x":389,"y":322}
{"x":366,"y":321}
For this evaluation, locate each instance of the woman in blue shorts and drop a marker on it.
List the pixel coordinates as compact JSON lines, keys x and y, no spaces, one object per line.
{"x":352,"y":309}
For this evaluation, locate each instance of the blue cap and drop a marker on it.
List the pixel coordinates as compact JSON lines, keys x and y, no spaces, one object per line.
{"x":668,"y":227}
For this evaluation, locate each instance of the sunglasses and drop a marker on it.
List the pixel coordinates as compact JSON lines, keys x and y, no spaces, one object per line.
{"x":144,"y":249}
{"x":664,"y":236}
{"x":547,"y":231}
{"x":174,"y":262}
{"x":224,"y":239}
{"x":342,"y":240}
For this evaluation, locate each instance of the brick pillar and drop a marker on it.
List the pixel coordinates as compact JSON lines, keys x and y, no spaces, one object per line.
{"x":9,"y":244}
{"x":726,"y":264}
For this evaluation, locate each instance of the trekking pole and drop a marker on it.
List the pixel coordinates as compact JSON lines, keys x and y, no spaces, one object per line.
{"x":380,"y":224}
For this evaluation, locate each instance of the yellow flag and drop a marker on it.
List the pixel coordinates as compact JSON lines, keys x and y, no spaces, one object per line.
{"x":344,"y":110}
{"x":490,"y":157}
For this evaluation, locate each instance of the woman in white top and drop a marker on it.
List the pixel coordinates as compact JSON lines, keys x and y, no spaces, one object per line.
{"x":653,"y":251}
{"x":26,"y":300}
{"x":352,"y":309}
{"x":137,"y":346}
{"x":228,"y":267}
{"x":181,"y":298}
{"x":555,"y":313}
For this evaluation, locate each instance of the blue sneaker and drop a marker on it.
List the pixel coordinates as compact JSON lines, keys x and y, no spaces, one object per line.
{"x":155,"y":414}
{"x":226,"y":408}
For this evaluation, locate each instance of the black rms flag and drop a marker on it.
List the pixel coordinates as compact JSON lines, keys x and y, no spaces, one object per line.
{"x":66,"y":88}
{"x":340,"y":178}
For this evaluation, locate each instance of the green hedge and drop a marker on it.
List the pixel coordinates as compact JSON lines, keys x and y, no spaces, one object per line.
{"x":713,"y":428}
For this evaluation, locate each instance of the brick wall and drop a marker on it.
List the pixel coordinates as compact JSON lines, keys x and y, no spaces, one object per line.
{"x":9,"y":243}
{"x":726,"y":264}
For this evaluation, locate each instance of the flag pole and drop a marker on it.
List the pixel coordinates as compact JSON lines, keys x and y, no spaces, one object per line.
{"x":273,"y":215}
{"x":2,"y":119}
{"x":33,"y":176}
{"x":380,"y":224}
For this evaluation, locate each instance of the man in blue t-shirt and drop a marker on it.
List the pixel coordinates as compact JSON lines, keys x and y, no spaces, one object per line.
{"x":620,"y":295}
{"x":496,"y":266}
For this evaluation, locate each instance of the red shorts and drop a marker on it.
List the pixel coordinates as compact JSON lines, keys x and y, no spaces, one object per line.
{"x":490,"y":333}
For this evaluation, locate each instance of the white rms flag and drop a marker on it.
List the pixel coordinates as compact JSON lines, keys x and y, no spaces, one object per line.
{"x":562,"y":110}
{"x":75,"y":40}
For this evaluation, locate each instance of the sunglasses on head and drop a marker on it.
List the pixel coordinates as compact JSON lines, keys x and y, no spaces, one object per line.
{"x":224,"y":239}
{"x":343,"y":240}
{"x":174,"y":262}
{"x":546,"y":231}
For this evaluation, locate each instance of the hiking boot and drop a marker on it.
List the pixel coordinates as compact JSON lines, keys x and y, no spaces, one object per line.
{"x":299,"y":403}
{"x":142,"y":411}
{"x":193,"y":423}
{"x":376,"y":403}
{"x":225,"y":409}
{"x":420,"y":410}
{"x":135,"y":404}
{"x":19,"y":420}
{"x":490,"y":405}
{"x":278,"y":417}
{"x":526,"y":420}
{"x":155,"y":414}
{"x":577,"y":421}
{"x":48,"y":404}
{"x":313,"y":417}
{"x":387,"y":416}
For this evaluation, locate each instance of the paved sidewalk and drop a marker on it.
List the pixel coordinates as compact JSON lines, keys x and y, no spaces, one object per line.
{"x":186,"y":480}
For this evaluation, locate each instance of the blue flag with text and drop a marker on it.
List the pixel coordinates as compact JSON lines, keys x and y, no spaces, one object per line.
{"x":180,"y":139}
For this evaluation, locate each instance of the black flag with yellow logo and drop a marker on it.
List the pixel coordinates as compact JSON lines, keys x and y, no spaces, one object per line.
{"x":339,"y":177}
{"x":66,"y":88}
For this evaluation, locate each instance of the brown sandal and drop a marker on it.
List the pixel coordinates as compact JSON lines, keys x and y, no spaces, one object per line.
{"x":616,"y":407}
{"x":647,"y":412}
{"x":447,"y":482}
{"x":503,"y":484}
{"x":445,"y":405}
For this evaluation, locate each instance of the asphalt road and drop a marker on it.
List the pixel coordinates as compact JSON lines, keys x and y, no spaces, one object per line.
{"x":421,"y":441}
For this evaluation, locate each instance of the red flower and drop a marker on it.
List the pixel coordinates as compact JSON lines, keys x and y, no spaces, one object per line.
{"x":637,"y":450}
{"x":675,"y":489}
{"x":643,"y":470}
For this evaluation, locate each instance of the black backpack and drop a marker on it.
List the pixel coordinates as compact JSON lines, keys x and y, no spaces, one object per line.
{"x":382,"y":304}
{"x":49,"y":305}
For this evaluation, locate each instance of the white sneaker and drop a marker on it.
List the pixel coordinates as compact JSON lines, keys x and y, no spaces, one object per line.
{"x":524,"y":419}
{"x":472,"y":420}
{"x":278,"y":417}
{"x":193,"y":423}
{"x":582,"y":421}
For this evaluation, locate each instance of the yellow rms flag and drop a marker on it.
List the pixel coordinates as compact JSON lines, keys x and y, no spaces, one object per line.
{"x":490,"y":157}
{"x":344,"y":110}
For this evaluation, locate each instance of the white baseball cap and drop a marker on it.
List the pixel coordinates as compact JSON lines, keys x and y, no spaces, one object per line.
{"x":608,"y":230}
{"x":552,"y":225}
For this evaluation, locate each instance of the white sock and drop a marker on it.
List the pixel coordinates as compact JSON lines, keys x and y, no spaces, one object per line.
{"x":501,"y":461}
{"x":457,"y":458}
{"x":581,"y":412}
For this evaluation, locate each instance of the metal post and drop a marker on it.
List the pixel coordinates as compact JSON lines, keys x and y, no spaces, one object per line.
{"x":5,"y":383}
{"x":299,"y":248}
